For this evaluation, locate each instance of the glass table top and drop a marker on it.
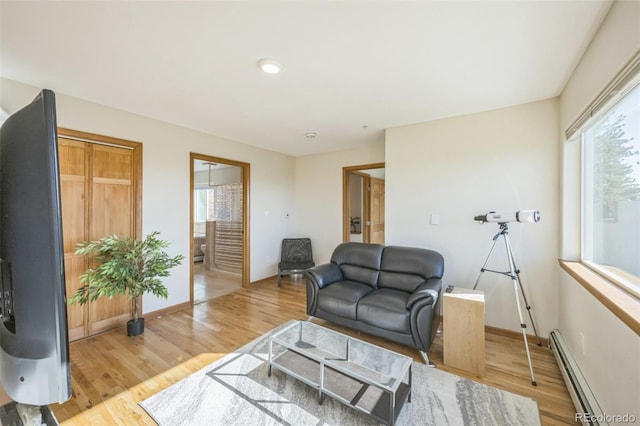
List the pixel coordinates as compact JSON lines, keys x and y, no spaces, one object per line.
{"x":362,"y":360}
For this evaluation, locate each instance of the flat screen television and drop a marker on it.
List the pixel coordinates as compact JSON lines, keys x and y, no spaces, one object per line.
{"x":34,"y":344}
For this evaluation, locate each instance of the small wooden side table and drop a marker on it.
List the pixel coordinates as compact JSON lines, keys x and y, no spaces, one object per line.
{"x":463,"y":330}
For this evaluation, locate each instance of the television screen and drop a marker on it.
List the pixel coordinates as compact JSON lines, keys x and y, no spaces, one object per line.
{"x":34,"y":345}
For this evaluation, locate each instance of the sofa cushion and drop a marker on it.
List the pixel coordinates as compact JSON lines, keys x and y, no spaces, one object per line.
{"x":361,"y":275}
{"x":359,"y":262}
{"x":341,"y":298}
{"x":414,"y":261}
{"x":385,"y":308}
{"x":399,"y":281}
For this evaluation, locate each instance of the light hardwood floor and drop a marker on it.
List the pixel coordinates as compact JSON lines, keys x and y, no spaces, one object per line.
{"x":111,"y":372}
{"x":209,"y":284}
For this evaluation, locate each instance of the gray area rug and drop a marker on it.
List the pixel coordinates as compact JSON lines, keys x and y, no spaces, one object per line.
{"x":236,"y":390}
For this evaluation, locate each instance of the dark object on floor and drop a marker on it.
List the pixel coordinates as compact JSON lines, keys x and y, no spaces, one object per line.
{"x":295,"y":258}
{"x":135,"y":327}
{"x":12,"y":415}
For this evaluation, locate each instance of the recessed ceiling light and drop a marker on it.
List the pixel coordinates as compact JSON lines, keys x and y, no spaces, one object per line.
{"x":310,"y":135}
{"x":270,"y":66}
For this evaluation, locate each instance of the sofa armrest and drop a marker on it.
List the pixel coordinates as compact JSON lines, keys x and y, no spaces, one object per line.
{"x":323,"y":275}
{"x":424,"y":311}
{"x":426,"y":290}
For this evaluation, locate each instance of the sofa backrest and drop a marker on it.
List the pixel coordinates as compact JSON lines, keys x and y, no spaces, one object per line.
{"x":359,"y":262}
{"x":405,"y":268}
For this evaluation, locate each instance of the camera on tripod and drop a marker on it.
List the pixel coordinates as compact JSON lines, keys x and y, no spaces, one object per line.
{"x":525,"y":216}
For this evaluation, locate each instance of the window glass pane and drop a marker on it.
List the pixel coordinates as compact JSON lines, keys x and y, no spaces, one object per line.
{"x":221,"y":202}
{"x":204,"y":201}
{"x":228,"y":202}
{"x":611,"y":190}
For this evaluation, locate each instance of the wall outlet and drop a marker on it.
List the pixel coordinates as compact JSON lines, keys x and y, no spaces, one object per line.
{"x":268,"y":259}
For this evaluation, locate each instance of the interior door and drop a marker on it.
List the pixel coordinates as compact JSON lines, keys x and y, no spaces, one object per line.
{"x":98,"y":190}
{"x":376,"y":211}
{"x":368,"y":226}
{"x":73,"y":160}
{"x":219,"y":223}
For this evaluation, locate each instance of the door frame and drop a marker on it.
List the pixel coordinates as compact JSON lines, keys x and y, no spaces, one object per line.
{"x":246,"y":255}
{"x":346,"y":172}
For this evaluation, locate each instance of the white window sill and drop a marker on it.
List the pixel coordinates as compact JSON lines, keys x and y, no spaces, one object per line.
{"x":622,"y":304}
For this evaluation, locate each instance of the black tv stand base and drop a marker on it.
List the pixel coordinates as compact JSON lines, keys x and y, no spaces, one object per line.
{"x":14,"y":414}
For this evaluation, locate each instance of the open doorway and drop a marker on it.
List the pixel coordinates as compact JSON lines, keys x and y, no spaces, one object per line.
{"x":363,"y":203}
{"x":219,"y":227}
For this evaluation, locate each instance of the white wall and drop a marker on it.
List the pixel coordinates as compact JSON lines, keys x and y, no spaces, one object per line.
{"x":318,"y":194}
{"x":165,"y":193}
{"x":610,"y":360}
{"x":502,"y":160}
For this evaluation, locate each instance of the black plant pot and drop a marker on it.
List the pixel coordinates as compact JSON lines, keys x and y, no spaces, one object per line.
{"x":135,"y":328}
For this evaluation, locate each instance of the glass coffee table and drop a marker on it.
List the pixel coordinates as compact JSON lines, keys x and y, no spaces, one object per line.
{"x":368,"y":378}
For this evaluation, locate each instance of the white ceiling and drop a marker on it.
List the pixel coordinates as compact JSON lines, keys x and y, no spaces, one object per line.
{"x":346,"y":64}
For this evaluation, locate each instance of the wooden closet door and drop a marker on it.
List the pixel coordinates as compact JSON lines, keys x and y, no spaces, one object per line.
{"x":73,"y":158}
{"x":97,"y":190}
{"x":111,"y":213}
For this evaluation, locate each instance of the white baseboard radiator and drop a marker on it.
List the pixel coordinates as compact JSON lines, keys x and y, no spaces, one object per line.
{"x":587,"y":409}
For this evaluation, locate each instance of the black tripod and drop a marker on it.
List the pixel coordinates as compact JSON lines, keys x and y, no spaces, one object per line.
{"x":514,"y":274}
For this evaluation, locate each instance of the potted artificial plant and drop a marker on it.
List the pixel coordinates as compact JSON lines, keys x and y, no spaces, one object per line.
{"x":127,"y":267}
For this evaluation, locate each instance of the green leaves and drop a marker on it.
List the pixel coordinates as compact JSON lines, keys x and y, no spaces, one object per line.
{"x":127,"y":267}
{"x":613,"y":170}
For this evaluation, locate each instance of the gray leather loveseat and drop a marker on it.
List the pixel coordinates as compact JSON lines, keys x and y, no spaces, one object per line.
{"x":392,"y":292}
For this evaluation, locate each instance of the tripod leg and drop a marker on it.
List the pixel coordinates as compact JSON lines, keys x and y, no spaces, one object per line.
{"x":495,"y":239}
{"x":529,"y":311}
{"x":523,"y":326}
{"x":524,"y":297}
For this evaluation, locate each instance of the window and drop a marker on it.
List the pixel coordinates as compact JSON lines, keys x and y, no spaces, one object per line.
{"x":220,"y":202}
{"x":228,"y":202}
{"x":611,"y":192}
{"x":203,"y":200}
